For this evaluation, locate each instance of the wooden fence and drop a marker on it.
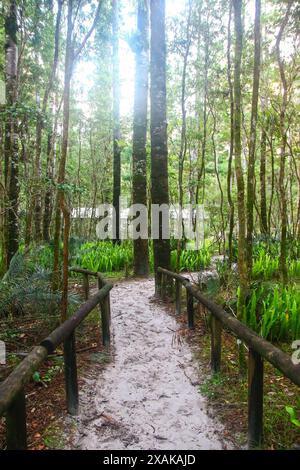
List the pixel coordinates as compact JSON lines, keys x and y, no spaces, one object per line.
{"x":259,"y":348}
{"x":12,"y":394}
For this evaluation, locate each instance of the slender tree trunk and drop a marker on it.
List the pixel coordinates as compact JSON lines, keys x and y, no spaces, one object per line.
{"x":159,"y":148}
{"x":283,"y":135}
{"x":48,"y":202}
{"x":213,"y":140}
{"x":61,"y":203}
{"x":270,"y":143}
{"x":231,"y":145}
{"x":183,"y":140}
{"x":40,"y":126}
{"x":139,"y":153}
{"x":116,"y":119}
{"x":202,"y":144}
{"x":11,"y":171}
{"x":60,"y":198}
{"x":263,"y":195}
{"x":242,"y":265}
{"x":252,"y":147}
{"x":80,"y":228}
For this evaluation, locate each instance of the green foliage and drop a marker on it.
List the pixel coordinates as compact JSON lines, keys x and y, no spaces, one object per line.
{"x":104,"y":256}
{"x":191,"y":260}
{"x":294,"y":269}
{"x":26,"y":287}
{"x":266,"y":261}
{"x":273,"y":311}
{"x":291,"y":411}
{"x":265,"y":266}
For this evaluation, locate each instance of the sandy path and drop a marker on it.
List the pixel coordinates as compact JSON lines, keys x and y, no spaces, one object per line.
{"x":145,"y":398}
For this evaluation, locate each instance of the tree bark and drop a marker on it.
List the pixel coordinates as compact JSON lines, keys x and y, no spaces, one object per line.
{"x":231,"y":145}
{"x":139,"y":153}
{"x":283,"y":135}
{"x":11,"y":170}
{"x":116,"y":123}
{"x":39,"y":229}
{"x":263,"y":195}
{"x":60,"y":202}
{"x":242,"y":265}
{"x":252,"y":147}
{"x":159,"y":148}
{"x":183,"y":140}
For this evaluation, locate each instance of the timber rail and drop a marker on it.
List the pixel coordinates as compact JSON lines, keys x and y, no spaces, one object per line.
{"x":259,"y":348}
{"x":12,"y":393}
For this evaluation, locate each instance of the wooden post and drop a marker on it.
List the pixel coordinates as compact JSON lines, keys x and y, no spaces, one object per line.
{"x":255,"y":399}
{"x":190,"y":309}
{"x":158,"y":282}
{"x":216,"y":344}
{"x":100,"y":283}
{"x":105,"y":320}
{"x":163,"y":286}
{"x":71,"y":375}
{"x":16,"y":435}
{"x":86,"y":286}
{"x":178,"y":290}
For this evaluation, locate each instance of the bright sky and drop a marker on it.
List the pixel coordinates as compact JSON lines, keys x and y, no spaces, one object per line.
{"x":83,"y":77}
{"x":84,"y":73}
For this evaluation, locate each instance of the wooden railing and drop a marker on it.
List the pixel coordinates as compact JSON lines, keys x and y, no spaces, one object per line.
{"x":259,"y":348}
{"x":12,"y":394}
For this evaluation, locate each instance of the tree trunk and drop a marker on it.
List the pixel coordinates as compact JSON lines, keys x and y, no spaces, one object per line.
{"x":139,"y":153}
{"x":116,"y":124}
{"x":252,"y":147}
{"x":11,"y":170}
{"x":60,"y":198}
{"x":39,"y":230}
{"x":242,"y":266}
{"x":159,"y":148}
{"x":263,"y":196}
{"x":231,"y":147}
{"x":48,"y":202}
{"x":283,"y":135}
{"x":183,"y":140}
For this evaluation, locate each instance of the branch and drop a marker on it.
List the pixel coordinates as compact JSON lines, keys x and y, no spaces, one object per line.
{"x":89,"y":33}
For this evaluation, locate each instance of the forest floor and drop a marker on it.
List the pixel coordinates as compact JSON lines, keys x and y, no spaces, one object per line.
{"x":47,"y":427}
{"x":148,"y":397}
{"x":152,"y":389}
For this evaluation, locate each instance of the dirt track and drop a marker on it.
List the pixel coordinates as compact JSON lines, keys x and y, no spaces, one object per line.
{"x":147,"y":397}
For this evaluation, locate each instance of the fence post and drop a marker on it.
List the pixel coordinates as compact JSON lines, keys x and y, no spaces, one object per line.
{"x":178,"y":290}
{"x":16,"y":435}
{"x":105,"y":320}
{"x":158,"y":284}
{"x":216,"y":344}
{"x":255,"y":399}
{"x":163,"y":286}
{"x":100,"y":283}
{"x":190,"y":309}
{"x":86,"y":286}
{"x":71,"y":375}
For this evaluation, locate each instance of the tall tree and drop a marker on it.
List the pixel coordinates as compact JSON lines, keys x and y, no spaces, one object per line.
{"x":139,"y":153}
{"x":262,"y":176}
{"x":231,"y":144}
{"x":183,"y":139}
{"x":283,"y":145}
{"x":11,"y":170}
{"x":252,"y":146}
{"x":40,"y":126}
{"x":71,"y":57}
{"x":242,"y":265}
{"x":159,"y":148}
{"x":116,"y":121}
